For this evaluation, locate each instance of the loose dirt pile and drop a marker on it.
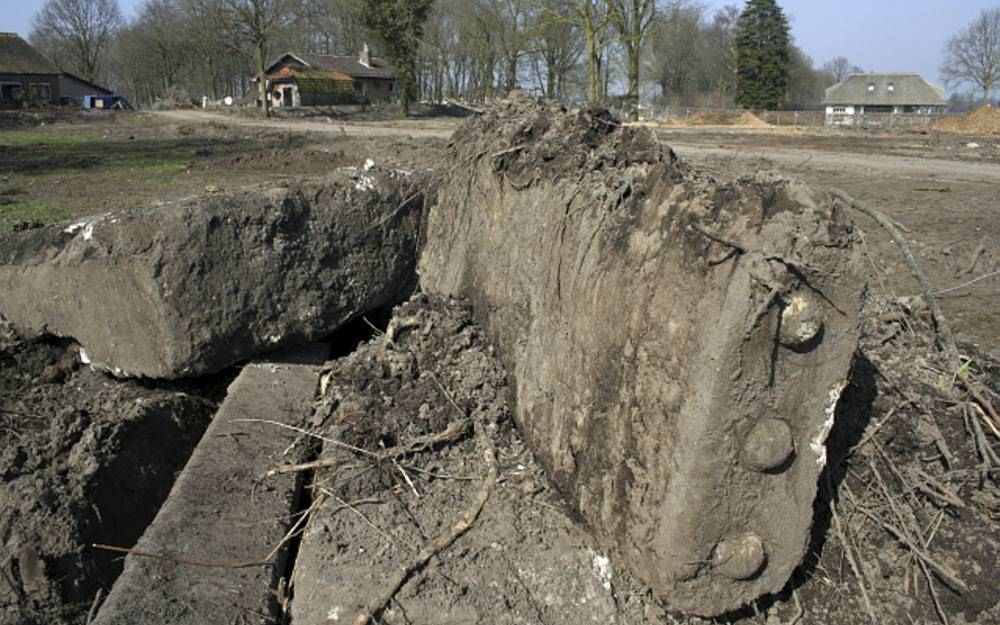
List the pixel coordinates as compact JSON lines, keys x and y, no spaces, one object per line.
{"x":83,"y":459}
{"x":982,"y":121}
{"x":433,"y":386}
{"x":745,"y":119}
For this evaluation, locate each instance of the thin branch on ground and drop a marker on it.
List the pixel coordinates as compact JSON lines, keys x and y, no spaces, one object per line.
{"x":969,"y":283}
{"x":849,"y":554}
{"x":445,"y":539}
{"x":943,"y":328}
{"x":454,"y":431}
{"x":980,"y":250}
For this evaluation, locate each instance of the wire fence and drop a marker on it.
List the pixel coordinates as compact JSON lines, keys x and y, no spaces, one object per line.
{"x":802,"y":119}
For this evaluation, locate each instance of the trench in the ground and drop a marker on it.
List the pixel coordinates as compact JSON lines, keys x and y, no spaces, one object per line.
{"x":343,"y":343}
{"x":125,"y":516}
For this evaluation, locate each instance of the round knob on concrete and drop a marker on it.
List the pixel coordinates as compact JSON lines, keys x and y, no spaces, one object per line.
{"x":741,"y":557}
{"x":801,"y":321}
{"x":768,"y":445}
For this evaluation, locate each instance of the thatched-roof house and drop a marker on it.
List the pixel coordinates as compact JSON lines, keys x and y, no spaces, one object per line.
{"x":25,"y":73}
{"x":866,"y":94}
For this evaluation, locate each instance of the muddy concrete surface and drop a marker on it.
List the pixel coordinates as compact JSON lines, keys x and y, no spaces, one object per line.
{"x":678,"y":345}
{"x":904,"y":525}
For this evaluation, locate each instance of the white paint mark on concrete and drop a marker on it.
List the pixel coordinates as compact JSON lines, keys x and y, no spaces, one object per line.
{"x":333,"y":614}
{"x":602,"y":569}
{"x":72,"y":228}
{"x":818,"y":442}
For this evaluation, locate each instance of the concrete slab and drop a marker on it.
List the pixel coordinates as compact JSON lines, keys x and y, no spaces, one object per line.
{"x":677,"y":343}
{"x":219,"y":512}
{"x":194,"y":286}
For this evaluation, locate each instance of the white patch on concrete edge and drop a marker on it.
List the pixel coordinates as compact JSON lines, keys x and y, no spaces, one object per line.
{"x":73,"y":227}
{"x":818,"y":442}
{"x":602,"y":569}
{"x":84,"y":358}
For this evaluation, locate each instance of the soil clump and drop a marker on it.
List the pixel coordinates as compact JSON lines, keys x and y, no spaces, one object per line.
{"x":83,"y":459}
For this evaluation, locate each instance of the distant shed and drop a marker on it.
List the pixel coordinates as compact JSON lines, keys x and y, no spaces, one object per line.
{"x":72,"y":86}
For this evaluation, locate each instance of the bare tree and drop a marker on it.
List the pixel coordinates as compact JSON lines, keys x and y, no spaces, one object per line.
{"x":720,"y":53}
{"x":591,"y":17}
{"x":840,"y":68}
{"x":633,"y":19}
{"x":678,"y":51}
{"x":253,"y":24}
{"x":972,"y":56}
{"x":557,"y":43}
{"x":77,"y":34}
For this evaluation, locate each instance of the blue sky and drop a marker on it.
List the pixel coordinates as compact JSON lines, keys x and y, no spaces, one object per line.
{"x":878,"y":35}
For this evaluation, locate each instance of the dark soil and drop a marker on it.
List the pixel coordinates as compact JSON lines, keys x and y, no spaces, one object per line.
{"x":524,"y":560}
{"x":84,"y":459}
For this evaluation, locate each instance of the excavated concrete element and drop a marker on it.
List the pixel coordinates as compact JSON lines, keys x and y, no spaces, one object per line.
{"x":678,"y":344}
{"x":218,"y":513}
{"x":194,"y":286}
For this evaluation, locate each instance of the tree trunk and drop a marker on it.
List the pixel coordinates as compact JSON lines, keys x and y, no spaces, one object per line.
{"x":632,"y":97}
{"x":593,"y":64}
{"x":265,"y":97}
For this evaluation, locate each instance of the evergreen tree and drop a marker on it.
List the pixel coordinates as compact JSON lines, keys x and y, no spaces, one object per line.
{"x":400,"y":25}
{"x":763,"y":55}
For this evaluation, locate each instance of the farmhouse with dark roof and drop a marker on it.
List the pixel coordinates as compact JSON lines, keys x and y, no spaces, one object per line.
{"x":301,"y":79}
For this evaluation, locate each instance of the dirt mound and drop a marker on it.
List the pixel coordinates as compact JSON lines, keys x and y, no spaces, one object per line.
{"x":745,"y":119}
{"x":982,"y":121}
{"x":523,"y":560}
{"x":82,"y":460}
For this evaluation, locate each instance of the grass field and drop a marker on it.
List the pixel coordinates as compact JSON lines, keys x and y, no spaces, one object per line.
{"x":59,"y":172}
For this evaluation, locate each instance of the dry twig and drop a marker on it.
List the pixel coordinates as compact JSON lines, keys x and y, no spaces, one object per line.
{"x":447,"y":537}
{"x":454,"y":431}
{"x":849,"y":554}
{"x":947,"y":338}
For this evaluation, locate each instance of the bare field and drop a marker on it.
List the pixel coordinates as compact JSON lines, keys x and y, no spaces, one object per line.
{"x":941,"y":190}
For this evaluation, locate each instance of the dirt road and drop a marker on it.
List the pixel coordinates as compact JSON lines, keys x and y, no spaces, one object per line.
{"x":792,"y":160}
{"x":788,"y":159}
{"x":402,"y":128}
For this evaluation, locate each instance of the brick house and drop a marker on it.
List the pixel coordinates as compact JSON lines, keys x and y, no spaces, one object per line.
{"x":302,"y":79}
{"x":25,"y":74}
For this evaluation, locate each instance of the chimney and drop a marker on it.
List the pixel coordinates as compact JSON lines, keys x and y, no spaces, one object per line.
{"x":366,"y":56}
